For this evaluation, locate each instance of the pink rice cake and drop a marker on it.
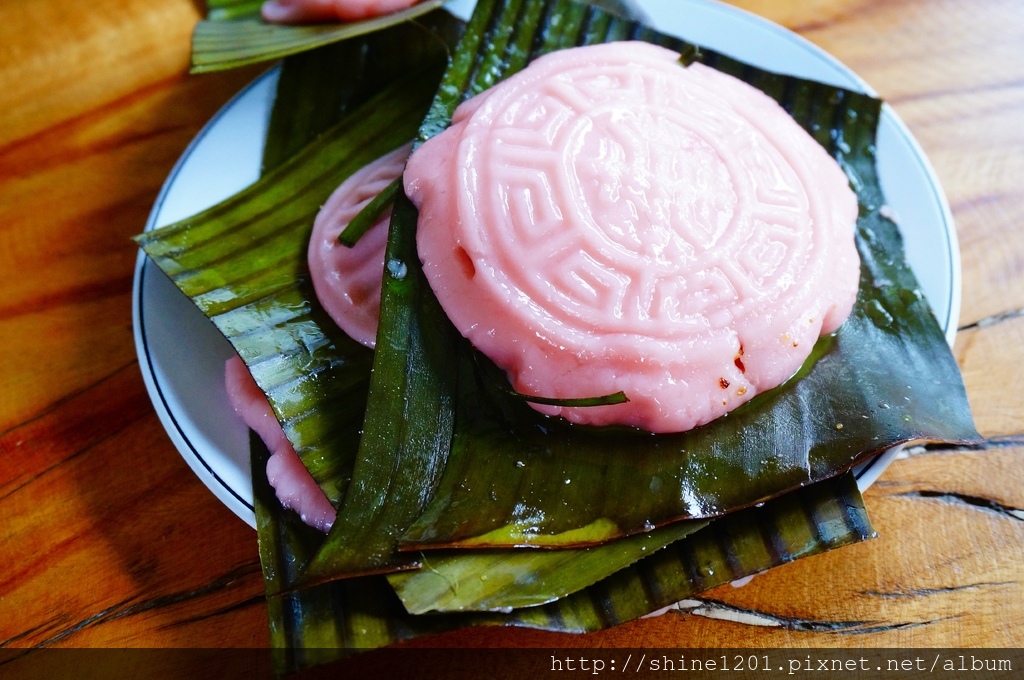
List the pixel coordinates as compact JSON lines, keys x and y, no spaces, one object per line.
{"x":608,"y":219}
{"x":314,"y":11}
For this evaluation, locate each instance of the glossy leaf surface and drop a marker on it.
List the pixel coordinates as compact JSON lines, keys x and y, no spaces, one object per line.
{"x":499,"y":580}
{"x":317,"y":625}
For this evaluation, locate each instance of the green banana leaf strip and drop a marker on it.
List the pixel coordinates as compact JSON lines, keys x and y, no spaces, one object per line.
{"x":515,"y":477}
{"x":369,"y":215}
{"x":323,"y":623}
{"x":234,"y":35}
{"x":501,"y":580}
{"x":404,"y":440}
{"x":243,"y":261}
{"x":538,"y":568}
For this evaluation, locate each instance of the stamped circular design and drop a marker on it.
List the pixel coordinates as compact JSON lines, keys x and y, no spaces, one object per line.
{"x":638,"y":209}
{"x":610,"y":219}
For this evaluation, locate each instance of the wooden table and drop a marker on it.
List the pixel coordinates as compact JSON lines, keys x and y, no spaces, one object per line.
{"x":109,"y":540}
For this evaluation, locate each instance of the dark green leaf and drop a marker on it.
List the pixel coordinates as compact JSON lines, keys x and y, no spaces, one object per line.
{"x":500,"y":580}
{"x":408,"y":425}
{"x":285,"y":542}
{"x":320,"y":624}
{"x":315,"y":89}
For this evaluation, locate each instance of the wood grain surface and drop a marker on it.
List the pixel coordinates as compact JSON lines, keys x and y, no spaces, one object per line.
{"x":108,"y":540}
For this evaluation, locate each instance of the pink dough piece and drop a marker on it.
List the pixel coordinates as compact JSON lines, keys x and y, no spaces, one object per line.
{"x":610,"y":220}
{"x":291,"y":480}
{"x":313,"y":11}
{"x":348,"y":280}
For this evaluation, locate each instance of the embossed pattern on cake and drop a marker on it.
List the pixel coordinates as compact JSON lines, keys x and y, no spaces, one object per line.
{"x":609,"y":219}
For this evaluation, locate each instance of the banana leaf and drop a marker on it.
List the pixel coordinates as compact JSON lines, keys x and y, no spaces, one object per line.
{"x":233,"y":34}
{"x":316,"y":88}
{"x":320,"y":624}
{"x":502,"y":580}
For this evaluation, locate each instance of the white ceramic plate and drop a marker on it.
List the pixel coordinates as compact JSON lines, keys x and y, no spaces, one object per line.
{"x":182,"y":355}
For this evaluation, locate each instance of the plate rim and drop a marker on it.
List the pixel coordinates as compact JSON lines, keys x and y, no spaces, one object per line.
{"x":866,"y":473}
{"x":228,"y":495}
